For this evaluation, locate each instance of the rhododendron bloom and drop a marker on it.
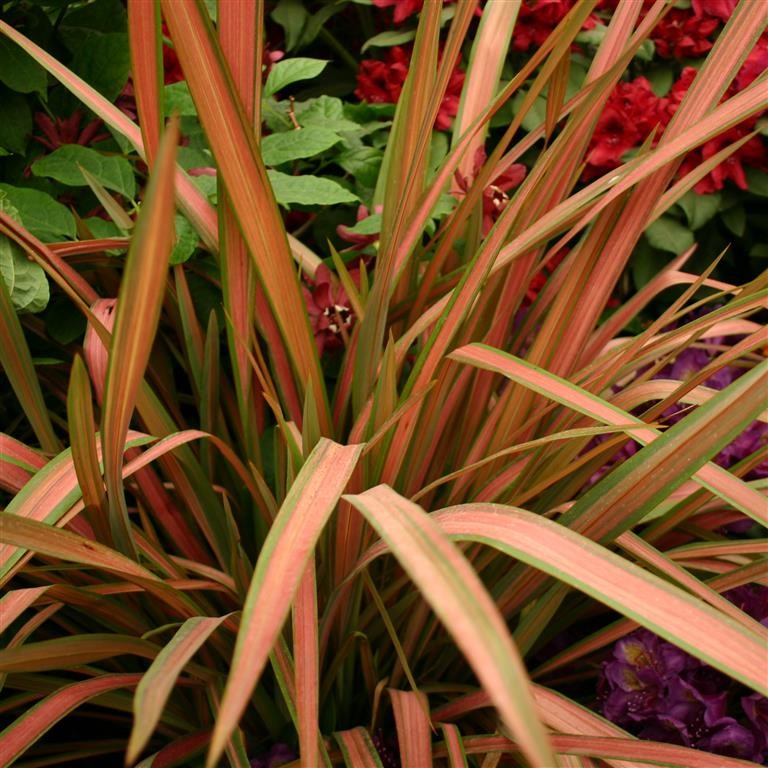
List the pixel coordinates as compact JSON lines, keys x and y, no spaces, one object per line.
{"x":381,"y":82}
{"x":680,"y":35}
{"x":662,"y":693}
{"x":405,"y":8}
{"x":720,"y":9}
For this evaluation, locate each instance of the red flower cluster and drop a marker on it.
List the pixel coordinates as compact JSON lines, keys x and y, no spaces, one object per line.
{"x":405,"y":8}
{"x":684,"y":35}
{"x":381,"y":82}
{"x":633,"y":111}
{"x":537,"y":19}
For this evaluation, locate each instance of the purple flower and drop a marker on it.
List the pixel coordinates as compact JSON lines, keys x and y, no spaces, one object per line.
{"x":729,"y":738}
{"x":662,"y":693}
{"x":639,"y":677}
{"x":755,"y":707}
{"x":752,"y":599}
{"x":278,"y":754}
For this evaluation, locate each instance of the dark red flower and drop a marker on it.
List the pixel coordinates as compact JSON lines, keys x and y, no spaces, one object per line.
{"x":495,"y":196}
{"x":405,"y":8}
{"x":536,"y":20}
{"x":756,"y":64}
{"x":681,"y":35}
{"x":754,"y":153}
{"x":329,"y":308}
{"x":172,"y":72}
{"x":631,"y":113}
{"x":60,"y":131}
{"x":381,"y":82}
{"x":719,"y":9}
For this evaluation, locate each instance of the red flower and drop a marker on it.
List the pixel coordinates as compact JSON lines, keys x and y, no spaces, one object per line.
{"x":403,"y":8}
{"x":381,"y":82}
{"x":62,"y":131}
{"x":329,"y":309}
{"x":756,"y":64}
{"x":495,"y":196}
{"x":406,"y":8}
{"x":172,"y":72}
{"x":632,"y":112}
{"x":681,"y":35}
{"x":720,"y":9}
{"x":537,"y":19}
{"x":754,"y":153}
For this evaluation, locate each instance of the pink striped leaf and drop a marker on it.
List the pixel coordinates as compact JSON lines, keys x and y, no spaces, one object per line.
{"x":684,"y":620}
{"x":157,"y":684}
{"x":358,"y":749}
{"x":278,"y":572}
{"x":447,"y":581}
{"x":36,"y":721}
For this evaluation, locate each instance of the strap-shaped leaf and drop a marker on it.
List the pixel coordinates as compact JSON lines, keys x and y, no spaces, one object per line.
{"x":279,"y":569}
{"x":453,"y":589}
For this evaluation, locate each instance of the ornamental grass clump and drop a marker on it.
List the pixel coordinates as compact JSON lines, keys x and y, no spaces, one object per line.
{"x":275,"y":499}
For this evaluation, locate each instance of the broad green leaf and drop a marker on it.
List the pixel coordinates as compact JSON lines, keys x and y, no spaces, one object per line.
{"x":46,"y":218}
{"x":389,"y":38}
{"x":735,"y":219}
{"x":292,"y":16}
{"x":282,"y":563}
{"x":177,"y":98}
{"x":19,"y":71}
{"x":25,"y":280}
{"x":448,"y":583}
{"x":370,"y":225}
{"x":104,"y":62}
{"x":364,"y":163}
{"x":324,"y":112}
{"x":283,"y":147}
{"x":308,"y":190}
{"x":288,"y":71}
{"x":113,"y":172}
{"x":699,"y":209}
{"x":104,"y":16}
{"x":15,"y":121}
{"x":757,"y":181}
{"x":186,"y":240}
{"x":669,"y":235}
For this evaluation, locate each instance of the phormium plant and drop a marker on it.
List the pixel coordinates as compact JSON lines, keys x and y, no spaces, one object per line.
{"x":274,"y":499}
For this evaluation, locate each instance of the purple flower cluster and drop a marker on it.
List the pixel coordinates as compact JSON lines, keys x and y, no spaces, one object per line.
{"x":686,"y":365}
{"x":278,"y":754}
{"x":659,"y":692}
